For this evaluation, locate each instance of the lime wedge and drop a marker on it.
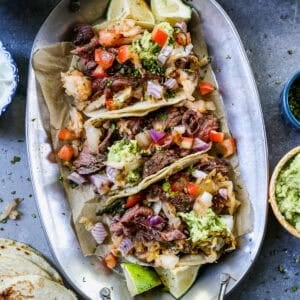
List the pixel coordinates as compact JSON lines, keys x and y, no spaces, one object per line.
{"x":137,"y":10}
{"x":171,"y":11}
{"x":178,"y":280}
{"x":139,"y":279}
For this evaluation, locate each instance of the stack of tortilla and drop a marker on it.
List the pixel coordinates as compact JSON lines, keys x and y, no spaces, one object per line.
{"x":25,"y":274}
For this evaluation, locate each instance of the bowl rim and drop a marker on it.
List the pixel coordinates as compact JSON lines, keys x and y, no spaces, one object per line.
{"x":285,"y":99}
{"x":272,"y":196}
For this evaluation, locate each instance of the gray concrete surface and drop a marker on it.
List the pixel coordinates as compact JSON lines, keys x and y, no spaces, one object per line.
{"x":270,"y":31}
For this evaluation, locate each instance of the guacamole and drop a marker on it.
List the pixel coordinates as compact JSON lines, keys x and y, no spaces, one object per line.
{"x":287,"y":189}
{"x":204,"y":226}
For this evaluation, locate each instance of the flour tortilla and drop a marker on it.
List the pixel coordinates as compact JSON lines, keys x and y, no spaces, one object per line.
{"x":16,"y":265}
{"x":13,"y":248}
{"x":33,"y":287}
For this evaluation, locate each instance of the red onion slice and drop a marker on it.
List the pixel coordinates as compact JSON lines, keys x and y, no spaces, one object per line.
{"x":154,"y":89}
{"x":223,"y":193}
{"x":101,"y":182}
{"x":111,"y":173}
{"x":99,"y":233}
{"x":156,"y":135}
{"x":165,"y":54}
{"x":155,"y":221}
{"x":199,"y":145}
{"x":199,"y":174}
{"x":182,"y":25}
{"x":125,"y":246}
{"x":76,"y":178}
{"x":171,"y":83}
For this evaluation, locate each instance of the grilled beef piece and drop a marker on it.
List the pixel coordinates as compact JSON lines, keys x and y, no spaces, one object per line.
{"x":218,"y":203}
{"x":191,"y":121}
{"x":172,"y":235}
{"x":219,"y":164}
{"x":99,"y":85}
{"x":182,"y":202}
{"x":90,"y":66}
{"x":89,"y":163}
{"x":106,"y":142}
{"x":83,"y":34}
{"x":130,"y":127}
{"x":87,"y":50}
{"x":158,"y":161}
{"x":207,"y":123}
{"x":174,"y":117}
{"x":129,"y":216}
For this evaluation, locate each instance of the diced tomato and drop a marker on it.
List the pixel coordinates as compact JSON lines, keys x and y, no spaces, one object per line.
{"x":99,"y":72}
{"x":124,"y":54}
{"x":110,"y":261}
{"x":66,"y":152}
{"x":228,"y":147}
{"x":159,"y":36}
{"x":193,"y":189}
{"x":166,"y":140}
{"x":133,"y":200}
{"x":186,"y":143}
{"x":216,"y":136}
{"x":177,"y":138}
{"x":110,"y":104}
{"x":104,"y":58}
{"x":109,"y":38}
{"x":205,"y":88}
{"x":66,"y":135}
{"x":176,"y":187}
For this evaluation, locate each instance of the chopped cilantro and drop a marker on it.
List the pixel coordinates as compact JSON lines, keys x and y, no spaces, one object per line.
{"x":281,"y":269}
{"x":1,"y":200}
{"x":4,"y":221}
{"x":153,"y":65}
{"x":162,"y":116}
{"x":170,"y":94}
{"x":297,"y":260}
{"x":13,"y":192}
{"x":294,"y":288}
{"x":290,"y":51}
{"x":15,"y":160}
{"x":33,"y":215}
{"x":166,"y":187}
{"x":72,"y":184}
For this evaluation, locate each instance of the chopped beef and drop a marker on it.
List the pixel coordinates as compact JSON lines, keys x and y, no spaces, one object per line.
{"x":158,"y":161}
{"x":119,"y":84}
{"x":182,"y":202}
{"x":106,"y":141}
{"x":138,"y":93}
{"x":214,"y":164}
{"x":174,"y":117}
{"x":207,"y":123}
{"x":90,"y":66}
{"x":191,"y":121}
{"x":132,"y":213}
{"x":130,"y":127}
{"x":89,"y":163}
{"x":99,"y":85}
{"x":83,"y":34}
{"x":218,"y":203}
{"x":172,"y":235}
{"x":87,"y":50}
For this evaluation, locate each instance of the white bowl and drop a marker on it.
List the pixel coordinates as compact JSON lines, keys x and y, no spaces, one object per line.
{"x":8,"y":78}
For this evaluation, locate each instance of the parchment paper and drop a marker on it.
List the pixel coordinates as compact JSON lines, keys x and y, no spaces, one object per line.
{"x":48,"y":63}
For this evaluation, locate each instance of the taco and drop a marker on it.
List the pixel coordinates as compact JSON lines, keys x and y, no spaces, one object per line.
{"x":125,"y":154}
{"x":120,"y":67}
{"x":185,"y":220}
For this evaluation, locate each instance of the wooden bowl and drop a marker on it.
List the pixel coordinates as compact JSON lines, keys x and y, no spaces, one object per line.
{"x":272,"y":196}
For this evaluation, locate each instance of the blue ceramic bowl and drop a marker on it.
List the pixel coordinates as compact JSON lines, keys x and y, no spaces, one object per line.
{"x":8,"y":78}
{"x":286,"y":113}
